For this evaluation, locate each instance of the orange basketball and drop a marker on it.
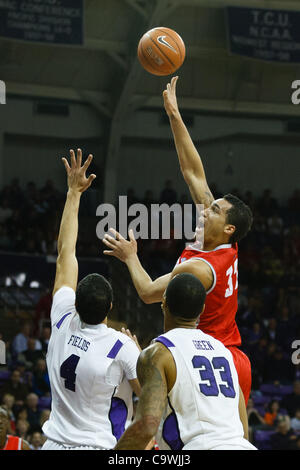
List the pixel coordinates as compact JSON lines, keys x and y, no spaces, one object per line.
{"x":161,"y":51}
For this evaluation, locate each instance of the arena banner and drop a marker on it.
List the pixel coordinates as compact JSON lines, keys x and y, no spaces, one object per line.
{"x":267,"y":34}
{"x":44,"y":21}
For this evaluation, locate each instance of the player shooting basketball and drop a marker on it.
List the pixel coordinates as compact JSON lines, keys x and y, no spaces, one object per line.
{"x":226,"y":221}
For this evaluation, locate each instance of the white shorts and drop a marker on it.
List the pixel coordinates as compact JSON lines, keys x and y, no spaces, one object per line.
{"x":51,"y":445}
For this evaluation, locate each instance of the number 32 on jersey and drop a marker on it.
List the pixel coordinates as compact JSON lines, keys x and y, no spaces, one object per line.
{"x":232,"y":273}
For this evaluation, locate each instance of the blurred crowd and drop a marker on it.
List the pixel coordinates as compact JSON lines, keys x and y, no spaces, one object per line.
{"x":269,"y":300}
{"x":24,"y":386}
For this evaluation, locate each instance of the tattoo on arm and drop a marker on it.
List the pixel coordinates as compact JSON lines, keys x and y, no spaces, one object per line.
{"x":151,"y":403}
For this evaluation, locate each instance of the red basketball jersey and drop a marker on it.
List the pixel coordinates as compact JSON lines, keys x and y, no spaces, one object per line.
{"x":13,"y":443}
{"x":218,"y":318}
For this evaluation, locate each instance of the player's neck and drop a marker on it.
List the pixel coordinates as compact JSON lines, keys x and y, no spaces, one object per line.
{"x":171,"y":324}
{"x":211,"y":244}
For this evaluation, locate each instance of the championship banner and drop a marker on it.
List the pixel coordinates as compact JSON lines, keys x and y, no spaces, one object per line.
{"x":44,"y":21}
{"x":267,"y":34}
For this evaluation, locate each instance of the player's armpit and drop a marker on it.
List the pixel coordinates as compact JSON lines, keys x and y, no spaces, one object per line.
{"x":198,"y":268}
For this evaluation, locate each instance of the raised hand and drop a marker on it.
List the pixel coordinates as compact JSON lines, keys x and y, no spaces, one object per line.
{"x":131,"y":336}
{"x":77,"y":179}
{"x":119,"y":246}
{"x":170,"y":99}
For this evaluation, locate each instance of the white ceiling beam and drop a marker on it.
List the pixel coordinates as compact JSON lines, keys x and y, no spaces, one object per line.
{"x":44,"y":91}
{"x":150,"y":101}
{"x":227,"y":106}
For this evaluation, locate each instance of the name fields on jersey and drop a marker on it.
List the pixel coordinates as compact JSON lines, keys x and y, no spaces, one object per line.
{"x":79,"y":342}
{"x":203,"y":345}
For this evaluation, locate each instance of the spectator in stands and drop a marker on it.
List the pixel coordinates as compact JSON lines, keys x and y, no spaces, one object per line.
{"x":291,"y":402}
{"x":22,"y":428}
{"x":40,"y":379}
{"x":295,"y":421}
{"x":271,"y":330}
{"x":34,"y":414}
{"x":255,"y":420}
{"x":36,"y":441}
{"x":272,"y":413}
{"x":267,"y":203}
{"x":168,"y":195}
{"x":31,"y":354}
{"x":279,"y":368}
{"x":22,"y":414}
{"x":19,"y":342}
{"x":42,"y":310}
{"x":25,"y":375}
{"x":7,"y":403}
{"x":284,"y":438}
{"x":45,"y":337}
{"x":15,"y":387}
{"x":45,"y":415}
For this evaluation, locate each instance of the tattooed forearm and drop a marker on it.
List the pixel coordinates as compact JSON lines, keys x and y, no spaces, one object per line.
{"x":151,"y":403}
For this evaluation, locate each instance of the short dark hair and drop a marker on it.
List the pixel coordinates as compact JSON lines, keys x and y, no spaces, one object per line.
{"x":94,"y":296}
{"x":239,"y":215}
{"x":185,"y":296}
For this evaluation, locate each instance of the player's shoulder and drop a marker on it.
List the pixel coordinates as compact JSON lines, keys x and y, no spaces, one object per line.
{"x":156,"y":352}
{"x":123,"y":346}
{"x":118,"y":335}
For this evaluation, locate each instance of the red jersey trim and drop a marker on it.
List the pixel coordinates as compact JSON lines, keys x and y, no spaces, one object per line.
{"x":213,"y":271}
{"x":220,"y":247}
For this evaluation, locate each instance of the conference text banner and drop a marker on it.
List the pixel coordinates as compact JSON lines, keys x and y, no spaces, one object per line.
{"x":44,"y":21}
{"x":267,"y":34}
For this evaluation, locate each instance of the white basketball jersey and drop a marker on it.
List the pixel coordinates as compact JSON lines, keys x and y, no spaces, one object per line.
{"x":202,"y":410}
{"x":89,"y":367}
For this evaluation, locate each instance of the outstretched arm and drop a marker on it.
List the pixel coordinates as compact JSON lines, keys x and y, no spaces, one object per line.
{"x":189,"y":159}
{"x":126,"y":250}
{"x":66,"y":264}
{"x":151,"y":374}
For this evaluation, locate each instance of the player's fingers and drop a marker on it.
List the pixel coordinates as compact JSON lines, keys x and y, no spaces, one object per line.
{"x":174,"y":82}
{"x":73,"y":159}
{"x":79,"y":158}
{"x":66,"y":164}
{"x":109,"y":253}
{"x":87,"y":162}
{"x":117,"y":235}
{"x":131,"y":235}
{"x":110,"y":242}
{"x":91,"y":179}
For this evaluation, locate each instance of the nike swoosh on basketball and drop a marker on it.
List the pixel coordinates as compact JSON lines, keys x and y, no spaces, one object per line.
{"x":161,"y":40}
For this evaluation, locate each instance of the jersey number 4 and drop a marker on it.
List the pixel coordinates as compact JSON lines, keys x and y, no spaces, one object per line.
{"x":67,"y":371}
{"x":207,"y":374}
{"x":232,"y":271}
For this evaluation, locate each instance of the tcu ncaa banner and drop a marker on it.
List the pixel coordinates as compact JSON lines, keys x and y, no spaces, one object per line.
{"x":267,"y":34}
{"x":45,"y":21}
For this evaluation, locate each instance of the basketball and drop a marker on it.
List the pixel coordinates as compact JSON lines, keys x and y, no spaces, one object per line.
{"x":161,"y":51}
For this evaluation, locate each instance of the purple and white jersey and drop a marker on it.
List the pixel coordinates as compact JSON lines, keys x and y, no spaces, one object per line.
{"x":202,"y":410}
{"x":89,"y":367}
